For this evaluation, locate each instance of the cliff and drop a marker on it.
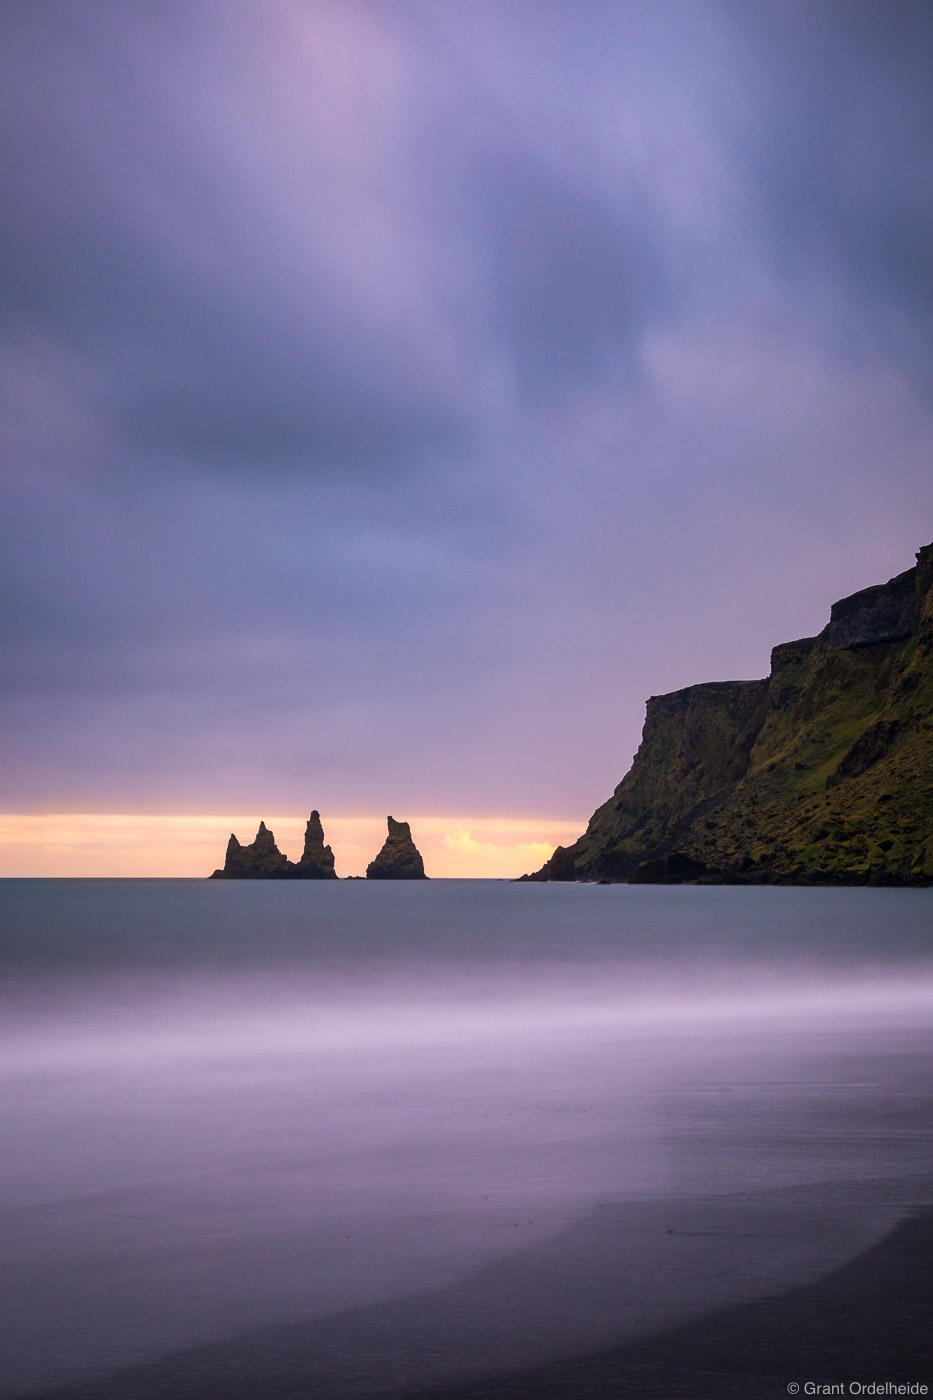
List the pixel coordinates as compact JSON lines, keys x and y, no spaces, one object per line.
{"x":821,"y":773}
{"x":262,"y":859}
{"x":399,"y":858}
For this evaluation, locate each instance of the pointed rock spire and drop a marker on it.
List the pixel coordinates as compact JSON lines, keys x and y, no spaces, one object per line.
{"x":262,"y":860}
{"x":399,"y":858}
{"x":317,"y":860}
{"x":265,"y":860}
{"x":233,"y":864}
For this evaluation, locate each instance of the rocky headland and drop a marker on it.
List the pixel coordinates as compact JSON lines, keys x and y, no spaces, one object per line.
{"x":399,"y":858}
{"x":262,"y":859}
{"x":821,"y":773}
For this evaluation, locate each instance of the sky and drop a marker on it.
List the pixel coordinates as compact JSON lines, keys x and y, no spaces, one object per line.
{"x":396,"y":393}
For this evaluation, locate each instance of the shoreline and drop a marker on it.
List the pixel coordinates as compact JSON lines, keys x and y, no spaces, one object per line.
{"x":869,"y":1321}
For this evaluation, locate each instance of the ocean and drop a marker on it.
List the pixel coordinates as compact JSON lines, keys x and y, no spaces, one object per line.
{"x":394,"y":1135}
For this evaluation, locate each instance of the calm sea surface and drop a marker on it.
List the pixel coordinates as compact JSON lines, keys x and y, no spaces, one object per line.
{"x":531,"y":1119}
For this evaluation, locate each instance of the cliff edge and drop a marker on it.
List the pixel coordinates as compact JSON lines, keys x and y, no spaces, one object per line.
{"x":821,"y":773}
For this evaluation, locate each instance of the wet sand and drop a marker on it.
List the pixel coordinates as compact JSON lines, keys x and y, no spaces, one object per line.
{"x":462,"y":1141}
{"x":868,"y":1320}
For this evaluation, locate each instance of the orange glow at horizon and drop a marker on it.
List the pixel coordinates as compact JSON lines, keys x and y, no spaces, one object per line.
{"x":123,"y":844}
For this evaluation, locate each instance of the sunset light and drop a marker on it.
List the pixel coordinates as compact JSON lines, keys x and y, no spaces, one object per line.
{"x":137,"y":844}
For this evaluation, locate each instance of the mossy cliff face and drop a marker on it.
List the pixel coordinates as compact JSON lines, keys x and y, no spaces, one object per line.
{"x":262,"y":859}
{"x":399,"y":858}
{"x":821,"y":773}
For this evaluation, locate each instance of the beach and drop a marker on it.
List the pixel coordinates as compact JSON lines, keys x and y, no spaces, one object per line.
{"x":866,"y":1328}
{"x":462,"y":1138}
{"x":868,"y":1322}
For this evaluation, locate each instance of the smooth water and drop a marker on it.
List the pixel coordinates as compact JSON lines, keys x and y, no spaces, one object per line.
{"x":530,"y":1119}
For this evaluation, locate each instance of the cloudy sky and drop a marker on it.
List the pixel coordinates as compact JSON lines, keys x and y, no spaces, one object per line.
{"x":397,"y":392}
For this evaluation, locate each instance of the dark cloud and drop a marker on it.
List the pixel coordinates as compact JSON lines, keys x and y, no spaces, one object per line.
{"x":397,"y":393}
{"x":218,"y":313}
{"x":574,"y":278}
{"x":839,"y":153}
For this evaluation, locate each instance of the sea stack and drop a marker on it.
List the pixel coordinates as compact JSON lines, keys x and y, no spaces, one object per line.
{"x":399,"y":858}
{"x":264,"y":861}
{"x":317,"y":860}
{"x":260,"y":861}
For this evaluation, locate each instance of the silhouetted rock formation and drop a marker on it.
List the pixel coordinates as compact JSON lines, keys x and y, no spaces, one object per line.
{"x":561,"y":866}
{"x":399,"y":858}
{"x":821,"y":774}
{"x":317,"y":860}
{"x":261,"y":861}
{"x":264,"y":861}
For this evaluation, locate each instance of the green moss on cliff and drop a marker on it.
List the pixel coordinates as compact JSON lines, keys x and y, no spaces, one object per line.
{"x":824,"y":771}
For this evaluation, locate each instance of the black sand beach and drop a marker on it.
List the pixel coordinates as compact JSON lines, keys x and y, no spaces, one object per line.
{"x":869,"y":1321}
{"x":671,"y":1143}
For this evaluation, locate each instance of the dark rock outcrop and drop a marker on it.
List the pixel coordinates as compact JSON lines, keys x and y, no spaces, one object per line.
{"x":695,"y":744}
{"x":399,"y":858}
{"x":317,"y":860}
{"x":885,"y":613}
{"x":262,"y":860}
{"x":822,"y":773}
{"x":561,"y":866}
